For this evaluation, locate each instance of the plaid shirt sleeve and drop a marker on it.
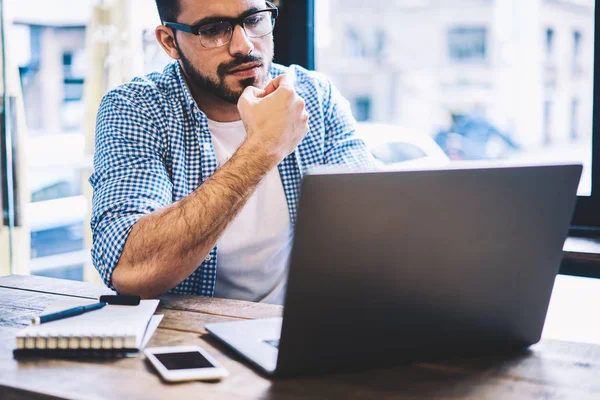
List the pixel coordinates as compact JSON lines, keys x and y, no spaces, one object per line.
{"x":342,"y":146}
{"x":129,"y":179}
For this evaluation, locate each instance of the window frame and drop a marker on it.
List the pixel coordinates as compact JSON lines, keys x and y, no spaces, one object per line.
{"x":586,"y":220}
{"x":7,"y":200}
{"x":295,"y":33}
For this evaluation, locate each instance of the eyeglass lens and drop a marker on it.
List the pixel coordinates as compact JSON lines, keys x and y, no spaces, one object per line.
{"x":219,"y":33}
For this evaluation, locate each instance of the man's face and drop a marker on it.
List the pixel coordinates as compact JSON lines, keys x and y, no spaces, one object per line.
{"x":227,"y":70}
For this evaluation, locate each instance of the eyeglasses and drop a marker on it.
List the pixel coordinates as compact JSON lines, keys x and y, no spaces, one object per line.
{"x":255,"y":24}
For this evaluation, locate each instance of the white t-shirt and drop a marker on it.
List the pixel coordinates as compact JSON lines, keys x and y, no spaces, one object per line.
{"x":254,"y":249}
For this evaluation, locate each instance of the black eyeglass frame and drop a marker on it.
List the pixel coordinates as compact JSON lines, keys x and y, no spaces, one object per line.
{"x":195,"y":29}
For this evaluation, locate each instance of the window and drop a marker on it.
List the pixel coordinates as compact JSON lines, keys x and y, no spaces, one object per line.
{"x":381,"y":44}
{"x":574,"y":119}
{"x":58,"y":51}
{"x":578,"y":67}
{"x":484,"y":61}
{"x":362,"y":107}
{"x":576,"y":44}
{"x":67,"y":64}
{"x":467,"y":44}
{"x":72,"y":108}
{"x":549,"y":42}
{"x":418,"y":63}
{"x":547,"y":122}
{"x":354,"y":45}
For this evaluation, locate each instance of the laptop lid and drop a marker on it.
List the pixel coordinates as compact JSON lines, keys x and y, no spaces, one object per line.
{"x":397,"y":266}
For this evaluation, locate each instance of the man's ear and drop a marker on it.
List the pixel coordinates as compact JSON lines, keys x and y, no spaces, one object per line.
{"x":166,"y":38}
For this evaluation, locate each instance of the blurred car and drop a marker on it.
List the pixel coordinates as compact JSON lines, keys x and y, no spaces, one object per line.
{"x":474,"y":137}
{"x":395,"y":146}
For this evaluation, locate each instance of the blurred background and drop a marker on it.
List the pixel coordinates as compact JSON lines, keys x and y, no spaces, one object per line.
{"x":507,"y":80}
{"x":431,"y":82}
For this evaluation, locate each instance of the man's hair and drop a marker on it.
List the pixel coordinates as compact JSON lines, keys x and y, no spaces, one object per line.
{"x":168,"y":10}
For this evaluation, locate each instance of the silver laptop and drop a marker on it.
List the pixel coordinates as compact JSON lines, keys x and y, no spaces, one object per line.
{"x":394,"y":267}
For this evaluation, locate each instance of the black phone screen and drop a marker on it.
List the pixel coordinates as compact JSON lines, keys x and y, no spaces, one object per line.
{"x":183,"y":360}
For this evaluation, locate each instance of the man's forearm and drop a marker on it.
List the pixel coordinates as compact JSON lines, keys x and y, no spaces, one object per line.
{"x":166,"y":246}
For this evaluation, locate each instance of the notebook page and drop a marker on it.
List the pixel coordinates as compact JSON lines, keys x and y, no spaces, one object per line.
{"x":111,"y":320}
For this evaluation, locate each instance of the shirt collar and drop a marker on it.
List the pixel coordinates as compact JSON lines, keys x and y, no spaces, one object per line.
{"x":189,"y":101}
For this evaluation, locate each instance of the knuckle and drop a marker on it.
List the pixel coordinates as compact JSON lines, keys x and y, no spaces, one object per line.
{"x":287,"y":91}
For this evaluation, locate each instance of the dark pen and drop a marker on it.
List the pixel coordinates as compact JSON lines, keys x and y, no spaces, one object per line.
{"x":71,"y":312}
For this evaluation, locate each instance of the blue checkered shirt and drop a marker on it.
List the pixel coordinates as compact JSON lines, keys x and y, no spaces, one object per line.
{"x":153,"y":148}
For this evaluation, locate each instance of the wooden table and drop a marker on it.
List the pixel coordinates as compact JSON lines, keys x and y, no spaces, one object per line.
{"x":556,"y":368}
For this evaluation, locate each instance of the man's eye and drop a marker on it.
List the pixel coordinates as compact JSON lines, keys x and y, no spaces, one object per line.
{"x":254,"y":20}
{"x":213,"y":30}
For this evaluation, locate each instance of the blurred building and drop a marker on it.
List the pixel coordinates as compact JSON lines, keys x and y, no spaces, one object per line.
{"x":528,"y":65}
{"x":51,"y":60}
{"x":68,"y":53}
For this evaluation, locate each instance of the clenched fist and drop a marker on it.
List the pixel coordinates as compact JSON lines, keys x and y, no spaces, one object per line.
{"x":275,"y":118}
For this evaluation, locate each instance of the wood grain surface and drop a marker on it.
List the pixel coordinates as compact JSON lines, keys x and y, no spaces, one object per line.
{"x":552,"y":369}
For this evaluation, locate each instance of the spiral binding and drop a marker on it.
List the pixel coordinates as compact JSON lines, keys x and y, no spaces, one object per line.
{"x":75,"y":342}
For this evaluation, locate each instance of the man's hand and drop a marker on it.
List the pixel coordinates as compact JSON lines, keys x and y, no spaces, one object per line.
{"x":275,"y":118}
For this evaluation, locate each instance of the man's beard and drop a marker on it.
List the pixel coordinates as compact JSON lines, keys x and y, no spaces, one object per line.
{"x":220,"y":89}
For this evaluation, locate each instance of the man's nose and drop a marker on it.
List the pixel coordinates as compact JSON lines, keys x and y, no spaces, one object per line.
{"x":240,"y":44}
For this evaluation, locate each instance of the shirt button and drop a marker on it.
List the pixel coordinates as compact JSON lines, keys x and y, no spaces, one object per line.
{"x":208,"y":258}
{"x":206,"y":146}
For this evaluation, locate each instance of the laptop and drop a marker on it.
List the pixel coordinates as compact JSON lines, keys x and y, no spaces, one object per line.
{"x":395,"y":267}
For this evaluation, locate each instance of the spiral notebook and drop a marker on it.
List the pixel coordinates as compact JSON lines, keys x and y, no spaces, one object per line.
{"x":112,"y":331}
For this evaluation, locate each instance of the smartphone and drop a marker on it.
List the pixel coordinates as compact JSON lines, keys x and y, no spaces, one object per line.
{"x":185,"y":363}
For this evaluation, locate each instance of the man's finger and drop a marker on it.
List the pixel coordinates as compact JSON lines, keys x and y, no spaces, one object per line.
{"x":252,"y":93}
{"x":288,"y":80}
{"x":273,"y":85}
